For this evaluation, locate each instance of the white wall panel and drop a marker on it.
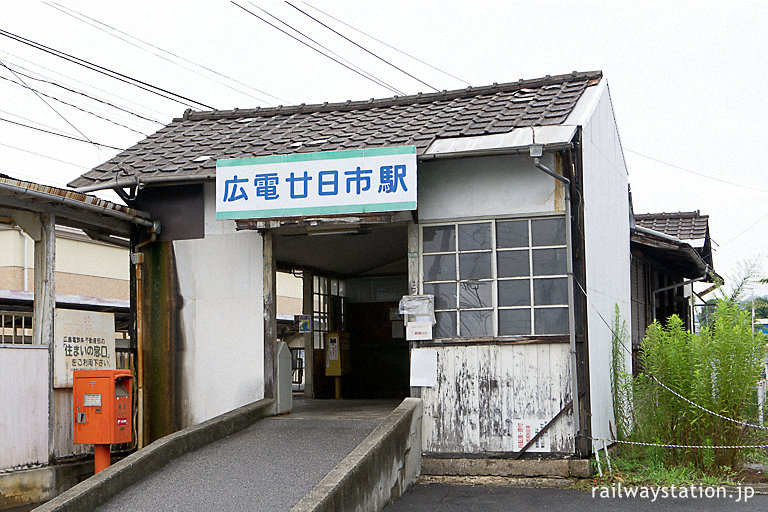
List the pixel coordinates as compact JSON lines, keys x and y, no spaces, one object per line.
{"x":23,"y":405}
{"x":221,"y":281}
{"x":606,"y":227}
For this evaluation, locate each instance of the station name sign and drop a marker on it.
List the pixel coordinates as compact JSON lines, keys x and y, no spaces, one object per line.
{"x":323,"y":183}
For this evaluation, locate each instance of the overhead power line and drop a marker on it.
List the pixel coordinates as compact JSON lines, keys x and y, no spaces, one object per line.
{"x":361,"y":47}
{"x":108,"y":72}
{"x":312,"y":47}
{"x":387,"y":44}
{"x":74,"y":14}
{"x":748,"y":187}
{"x":40,"y":96}
{"x":60,"y":134}
{"x":44,"y":156}
{"x":40,"y":93}
{"x":380,"y":82}
{"x":55,"y":84}
{"x":75,"y":80}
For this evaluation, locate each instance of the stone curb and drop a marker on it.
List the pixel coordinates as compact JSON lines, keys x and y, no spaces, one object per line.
{"x":94,"y":491}
{"x":378,"y":471}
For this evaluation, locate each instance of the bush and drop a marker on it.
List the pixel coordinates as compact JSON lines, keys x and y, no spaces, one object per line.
{"x":717,"y":369}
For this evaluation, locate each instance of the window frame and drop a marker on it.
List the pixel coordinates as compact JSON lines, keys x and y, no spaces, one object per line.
{"x":531,"y":278}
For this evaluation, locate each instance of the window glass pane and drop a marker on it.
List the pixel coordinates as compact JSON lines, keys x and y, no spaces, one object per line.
{"x":323,"y":285}
{"x":548,"y":262}
{"x":512,"y":233}
{"x":548,"y":231}
{"x":475,"y":265}
{"x":475,"y":294}
{"x":446,"y":324}
{"x":551,"y":320}
{"x":515,"y":293}
{"x":445,"y":294}
{"x":514,"y":321}
{"x":334,"y":286}
{"x":476,"y":323}
{"x":440,"y":268}
{"x":550,"y":291}
{"x":342,"y":288}
{"x":512,"y":264}
{"x":474,"y":237}
{"x":438,"y":239}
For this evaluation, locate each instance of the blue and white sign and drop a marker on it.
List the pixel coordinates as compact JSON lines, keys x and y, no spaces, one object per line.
{"x":325,"y":183}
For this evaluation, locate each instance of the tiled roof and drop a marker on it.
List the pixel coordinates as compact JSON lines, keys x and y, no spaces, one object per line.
{"x":682,"y":225}
{"x":189,"y":146}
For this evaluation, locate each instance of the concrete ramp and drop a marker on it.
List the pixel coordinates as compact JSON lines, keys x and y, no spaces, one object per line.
{"x":350,"y":453}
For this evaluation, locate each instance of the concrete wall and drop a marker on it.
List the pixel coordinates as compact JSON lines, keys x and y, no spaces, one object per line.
{"x":221,"y":284}
{"x":459,"y":188}
{"x":482,"y":390}
{"x":606,"y":227}
{"x":23,"y":405}
{"x":378,"y":471}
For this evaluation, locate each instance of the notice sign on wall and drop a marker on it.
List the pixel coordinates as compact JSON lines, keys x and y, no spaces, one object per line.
{"x":324,"y":183}
{"x":83,"y":340}
{"x":523,"y":430}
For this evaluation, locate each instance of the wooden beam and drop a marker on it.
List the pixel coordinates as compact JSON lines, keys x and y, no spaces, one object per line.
{"x":44,"y":307}
{"x":270,"y":313}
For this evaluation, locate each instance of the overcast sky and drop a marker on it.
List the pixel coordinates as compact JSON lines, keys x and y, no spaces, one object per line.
{"x":687,"y":80}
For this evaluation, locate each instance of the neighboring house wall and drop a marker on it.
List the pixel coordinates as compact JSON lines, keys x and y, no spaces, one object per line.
{"x":24,"y":405}
{"x":290,"y":295}
{"x":84,"y":267}
{"x":485,"y":389}
{"x":606,"y":225}
{"x":222,"y":363}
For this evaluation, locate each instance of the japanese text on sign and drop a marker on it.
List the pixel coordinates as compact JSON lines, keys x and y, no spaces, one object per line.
{"x":355,"y":181}
{"x":85,"y":340}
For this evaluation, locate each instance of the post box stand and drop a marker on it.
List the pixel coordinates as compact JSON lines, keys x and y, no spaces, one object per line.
{"x":101,"y":402}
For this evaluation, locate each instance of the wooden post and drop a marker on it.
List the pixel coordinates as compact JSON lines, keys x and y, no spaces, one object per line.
{"x":270,"y":314}
{"x":309,"y":342}
{"x":44,"y":306}
{"x":414,"y":276}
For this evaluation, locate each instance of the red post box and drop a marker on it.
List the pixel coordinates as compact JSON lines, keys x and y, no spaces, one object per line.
{"x":102,"y":410}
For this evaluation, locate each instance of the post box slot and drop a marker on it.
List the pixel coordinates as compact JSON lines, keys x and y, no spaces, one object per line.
{"x":120,"y":390}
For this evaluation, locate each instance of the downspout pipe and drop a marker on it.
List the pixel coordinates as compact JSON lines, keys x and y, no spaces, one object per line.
{"x":536,"y":152}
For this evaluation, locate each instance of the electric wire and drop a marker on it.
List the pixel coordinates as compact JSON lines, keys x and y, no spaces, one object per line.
{"x":64,"y":10}
{"x":44,"y":156}
{"x":40,"y":93}
{"x":32,"y":179}
{"x":90,"y":97}
{"x":75,"y":80}
{"x":178,"y":98}
{"x":40,"y":96}
{"x":748,"y":187}
{"x":33,"y":121}
{"x":60,"y":134}
{"x":310,"y":46}
{"x":361,"y":47}
{"x":387,"y":44}
{"x":380,"y":82}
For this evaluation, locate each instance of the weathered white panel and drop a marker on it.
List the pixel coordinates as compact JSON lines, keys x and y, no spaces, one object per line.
{"x":220,"y":279}
{"x":62,"y":412}
{"x":23,"y":405}
{"x":482,"y":389}
{"x":485,"y":187}
{"x":606,"y":228}
{"x":517,"y":138}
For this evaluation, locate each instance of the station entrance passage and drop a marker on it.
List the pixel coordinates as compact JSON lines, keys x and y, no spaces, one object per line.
{"x":354,"y":277}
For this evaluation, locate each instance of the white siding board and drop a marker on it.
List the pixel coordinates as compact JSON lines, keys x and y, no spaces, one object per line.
{"x":606,"y":229}
{"x":482,"y":389}
{"x":23,"y":405}
{"x":220,"y":281}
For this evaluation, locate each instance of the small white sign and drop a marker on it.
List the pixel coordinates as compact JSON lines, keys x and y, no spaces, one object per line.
{"x":92,"y":400}
{"x":83,"y":340}
{"x":424,"y":367}
{"x":418,"y":331}
{"x":524,"y":430}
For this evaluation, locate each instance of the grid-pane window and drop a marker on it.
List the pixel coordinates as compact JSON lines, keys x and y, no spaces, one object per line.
{"x":328,"y":307}
{"x":501,"y":278}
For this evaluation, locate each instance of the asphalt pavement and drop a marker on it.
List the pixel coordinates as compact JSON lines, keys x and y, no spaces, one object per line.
{"x":269,"y":466}
{"x":441,"y":497}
